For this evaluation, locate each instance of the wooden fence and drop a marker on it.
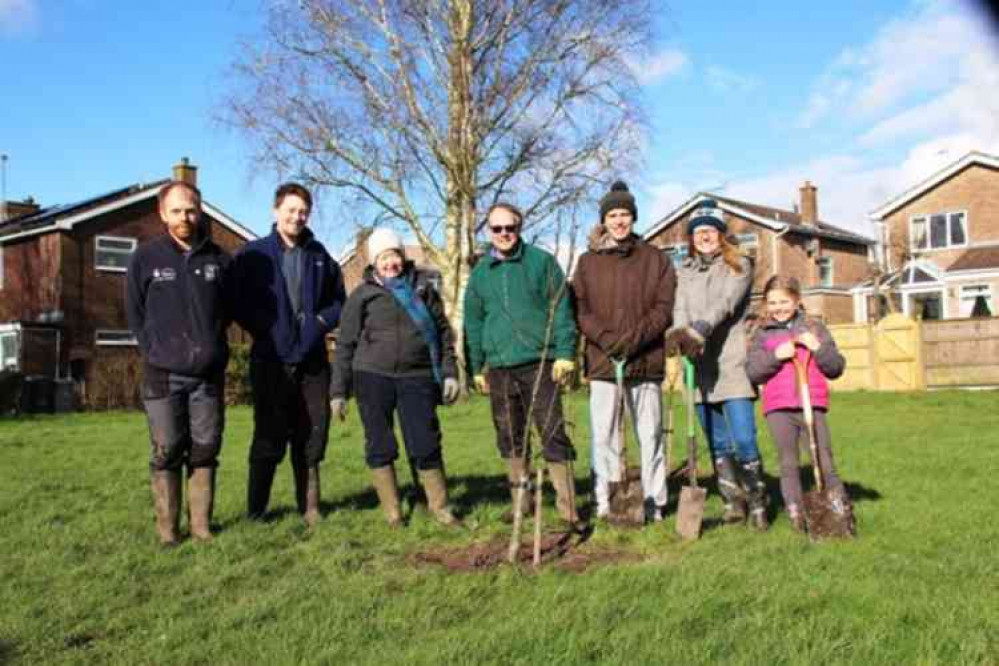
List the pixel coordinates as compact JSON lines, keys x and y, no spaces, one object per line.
{"x":901,"y":354}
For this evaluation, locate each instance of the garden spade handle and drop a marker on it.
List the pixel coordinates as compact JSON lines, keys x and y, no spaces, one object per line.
{"x":619,"y":379}
{"x":801,"y":373}
{"x":688,"y":376}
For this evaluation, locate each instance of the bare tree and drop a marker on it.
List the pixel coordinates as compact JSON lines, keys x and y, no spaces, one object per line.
{"x":423,"y":113}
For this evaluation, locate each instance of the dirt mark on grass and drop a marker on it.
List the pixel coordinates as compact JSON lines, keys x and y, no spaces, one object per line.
{"x":559,"y":550}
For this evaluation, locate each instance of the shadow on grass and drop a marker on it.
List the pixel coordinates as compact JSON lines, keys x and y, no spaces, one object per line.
{"x":7,"y":653}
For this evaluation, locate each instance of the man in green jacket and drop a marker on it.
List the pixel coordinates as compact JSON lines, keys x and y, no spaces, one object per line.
{"x":519,"y":324}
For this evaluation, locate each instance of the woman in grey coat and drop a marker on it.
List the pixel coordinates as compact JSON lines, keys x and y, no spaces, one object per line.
{"x":712,"y":300}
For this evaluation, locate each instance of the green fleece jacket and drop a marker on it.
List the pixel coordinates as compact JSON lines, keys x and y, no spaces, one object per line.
{"x":508,"y":304}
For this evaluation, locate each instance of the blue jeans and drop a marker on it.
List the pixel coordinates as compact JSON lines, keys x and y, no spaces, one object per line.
{"x":730,"y":427}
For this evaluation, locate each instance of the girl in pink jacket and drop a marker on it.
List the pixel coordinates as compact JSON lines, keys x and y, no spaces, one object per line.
{"x":782,"y":336}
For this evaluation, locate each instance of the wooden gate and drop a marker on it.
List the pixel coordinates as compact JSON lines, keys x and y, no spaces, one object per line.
{"x":897,"y":354}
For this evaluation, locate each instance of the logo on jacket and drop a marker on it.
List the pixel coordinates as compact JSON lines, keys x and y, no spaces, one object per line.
{"x":211,"y":272}
{"x":164,"y":274}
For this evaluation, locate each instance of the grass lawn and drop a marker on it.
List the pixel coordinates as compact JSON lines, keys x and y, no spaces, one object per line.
{"x":84,"y":582}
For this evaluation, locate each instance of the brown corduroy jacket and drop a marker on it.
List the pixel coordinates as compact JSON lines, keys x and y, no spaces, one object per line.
{"x":624,"y":294}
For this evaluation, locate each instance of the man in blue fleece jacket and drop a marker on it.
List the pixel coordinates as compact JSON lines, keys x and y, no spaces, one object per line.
{"x":290,"y":296}
{"x":176,"y":294}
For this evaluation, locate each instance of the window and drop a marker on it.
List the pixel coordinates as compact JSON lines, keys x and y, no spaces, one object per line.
{"x":825,"y":265}
{"x":677,"y":253}
{"x":112,"y":253}
{"x":938,"y":232}
{"x":749,"y":244}
{"x":8,"y":350}
{"x":976,"y":301}
{"x":109,"y":338}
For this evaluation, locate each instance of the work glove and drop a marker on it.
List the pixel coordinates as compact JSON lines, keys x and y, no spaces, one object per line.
{"x":562,"y":371}
{"x":481,"y":385}
{"x":450,"y":390}
{"x":686,"y":341}
{"x":339,"y":408}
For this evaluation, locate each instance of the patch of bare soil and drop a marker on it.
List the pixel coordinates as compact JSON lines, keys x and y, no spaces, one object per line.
{"x":559,"y":550}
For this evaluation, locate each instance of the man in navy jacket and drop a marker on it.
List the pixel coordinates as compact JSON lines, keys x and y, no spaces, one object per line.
{"x":290,"y":296}
{"x":176,"y":296}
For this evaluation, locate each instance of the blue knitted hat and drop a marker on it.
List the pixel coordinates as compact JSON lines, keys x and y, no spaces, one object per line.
{"x":707,"y":214}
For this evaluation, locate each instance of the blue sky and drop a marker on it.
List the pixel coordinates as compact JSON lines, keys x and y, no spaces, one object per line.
{"x":862,"y":98}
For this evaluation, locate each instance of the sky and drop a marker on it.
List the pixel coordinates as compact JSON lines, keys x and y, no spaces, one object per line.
{"x":862,"y":98}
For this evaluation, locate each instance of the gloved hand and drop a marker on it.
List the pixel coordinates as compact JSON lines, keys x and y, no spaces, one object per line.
{"x":450,"y":390}
{"x":562,"y":370}
{"x":481,"y":385}
{"x":686,"y":341}
{"x":339,"y":408}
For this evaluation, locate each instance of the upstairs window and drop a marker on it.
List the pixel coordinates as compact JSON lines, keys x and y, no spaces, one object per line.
{"x":825,"y":265}
{"x":677,"y":253}
{"x":749,"y":244}
{"x":938,"y":232}
{"x":111,"y":253}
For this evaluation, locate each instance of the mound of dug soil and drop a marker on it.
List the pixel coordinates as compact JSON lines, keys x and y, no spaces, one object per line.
{"x":560,"y":550}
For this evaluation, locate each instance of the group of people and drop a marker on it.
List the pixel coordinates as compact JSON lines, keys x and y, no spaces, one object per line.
{"x":395,"y":357}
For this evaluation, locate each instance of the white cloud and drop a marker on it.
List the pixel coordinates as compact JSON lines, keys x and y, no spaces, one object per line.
{"x":659,"y":66}
{"x":17,"y":16}
{"x":728,"y":81}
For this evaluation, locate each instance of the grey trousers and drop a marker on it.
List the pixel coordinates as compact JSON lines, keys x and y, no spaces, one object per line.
{"x":643,"y":400}
{"x":787,"y":427}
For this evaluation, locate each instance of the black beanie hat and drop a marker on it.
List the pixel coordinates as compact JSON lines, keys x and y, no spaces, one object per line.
{"x":618,"y":197}
{"x":707,"y":214}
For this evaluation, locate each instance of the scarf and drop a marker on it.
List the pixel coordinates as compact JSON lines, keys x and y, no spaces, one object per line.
{"x":417,"y":311}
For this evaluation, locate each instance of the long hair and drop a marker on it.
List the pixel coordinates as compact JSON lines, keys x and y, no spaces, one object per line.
{"x":730,"y":253}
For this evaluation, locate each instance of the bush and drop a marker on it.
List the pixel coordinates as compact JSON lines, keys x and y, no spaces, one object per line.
{"x":237,"y":376}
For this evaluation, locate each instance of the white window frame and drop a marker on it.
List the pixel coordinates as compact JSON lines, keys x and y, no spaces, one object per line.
{"x":674,"y":249}
{"x":17,"y":352}
{"x":827,"y":261}
{"x":97,"y":252}
{"x":130,"y":342}
{"x":925,"y":219}
{"x":749,"y":244}
{"x":989,"y":297}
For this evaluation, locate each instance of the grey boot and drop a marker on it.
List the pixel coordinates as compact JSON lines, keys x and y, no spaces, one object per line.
{"x":200,"y":502}
{"x":166,"y":501}
{"x":756,"y":494}
{"x":517,"y":473}
{"x":384,"y":481}
{"x":258,"y":490}
{"x":565,"y":493}
{"x":734,"y":497}
{"x":436,"y":489}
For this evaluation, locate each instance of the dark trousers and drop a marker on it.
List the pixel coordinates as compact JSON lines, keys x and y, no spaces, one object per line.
{"x":416,"y":400}
{"x":186,"y":417}
{"x":512,"y":395}
{"x":787,"y":427}
{"x":290,"y":408}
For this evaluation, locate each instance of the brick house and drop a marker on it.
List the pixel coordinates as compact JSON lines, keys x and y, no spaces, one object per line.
{"x":62,"y":277}
{"x":939,"y":243}
{"x":827,"y":259}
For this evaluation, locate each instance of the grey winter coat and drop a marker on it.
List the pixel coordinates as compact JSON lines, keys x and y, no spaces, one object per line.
{"x":710,"y":292}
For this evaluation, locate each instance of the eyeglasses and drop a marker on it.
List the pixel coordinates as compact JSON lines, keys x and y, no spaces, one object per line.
{"x":505,"y":228}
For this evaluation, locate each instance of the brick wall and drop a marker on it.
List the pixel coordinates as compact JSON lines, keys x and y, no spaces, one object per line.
{"x":974,"y":190}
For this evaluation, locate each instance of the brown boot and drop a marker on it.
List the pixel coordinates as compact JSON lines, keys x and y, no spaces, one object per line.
{"x":166,"y":500}
{"x":517,"y":473}
{"x":565,"y":493}
{"x":200,"y":501}
{"x":311,"y":513}
{"x":383,"y":479}
{"x":436,"y":488}
{"x":796,"y":517}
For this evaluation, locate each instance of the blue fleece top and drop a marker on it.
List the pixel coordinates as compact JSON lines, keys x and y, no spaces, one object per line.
{"x":265,"y":310}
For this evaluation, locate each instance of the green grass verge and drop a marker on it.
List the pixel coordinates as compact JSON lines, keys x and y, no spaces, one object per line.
{"x":83,"y":580}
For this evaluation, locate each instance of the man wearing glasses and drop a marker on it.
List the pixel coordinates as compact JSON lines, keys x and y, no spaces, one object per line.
{"x":519,"y":325}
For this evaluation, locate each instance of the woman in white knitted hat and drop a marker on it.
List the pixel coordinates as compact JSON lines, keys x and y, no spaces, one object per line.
{"x":395,"y":355}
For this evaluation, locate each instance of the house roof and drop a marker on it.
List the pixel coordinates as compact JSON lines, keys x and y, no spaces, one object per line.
{"x":775,"y":219}
{"x":976,"y":259}
{"x":974,"y":157}
{"x":65,"y":217}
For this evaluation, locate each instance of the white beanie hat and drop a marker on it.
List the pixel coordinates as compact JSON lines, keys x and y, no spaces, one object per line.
{"x":382,"y":239}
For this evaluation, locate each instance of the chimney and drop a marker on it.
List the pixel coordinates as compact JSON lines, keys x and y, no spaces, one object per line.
{"x":186,"y":172}
{"x":809,"y":204}
{"x":12,"y":209}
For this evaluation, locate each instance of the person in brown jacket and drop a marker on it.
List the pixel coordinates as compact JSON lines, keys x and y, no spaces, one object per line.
{"x":624,"y":291}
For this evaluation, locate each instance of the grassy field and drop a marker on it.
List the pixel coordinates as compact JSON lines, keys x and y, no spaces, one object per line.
{"x":83,"y":580}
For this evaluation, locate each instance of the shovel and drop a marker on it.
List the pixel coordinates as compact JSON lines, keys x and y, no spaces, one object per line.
{"x":690,"y":512}
{"x":627,"y":501}
{"x":826,"y":514}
